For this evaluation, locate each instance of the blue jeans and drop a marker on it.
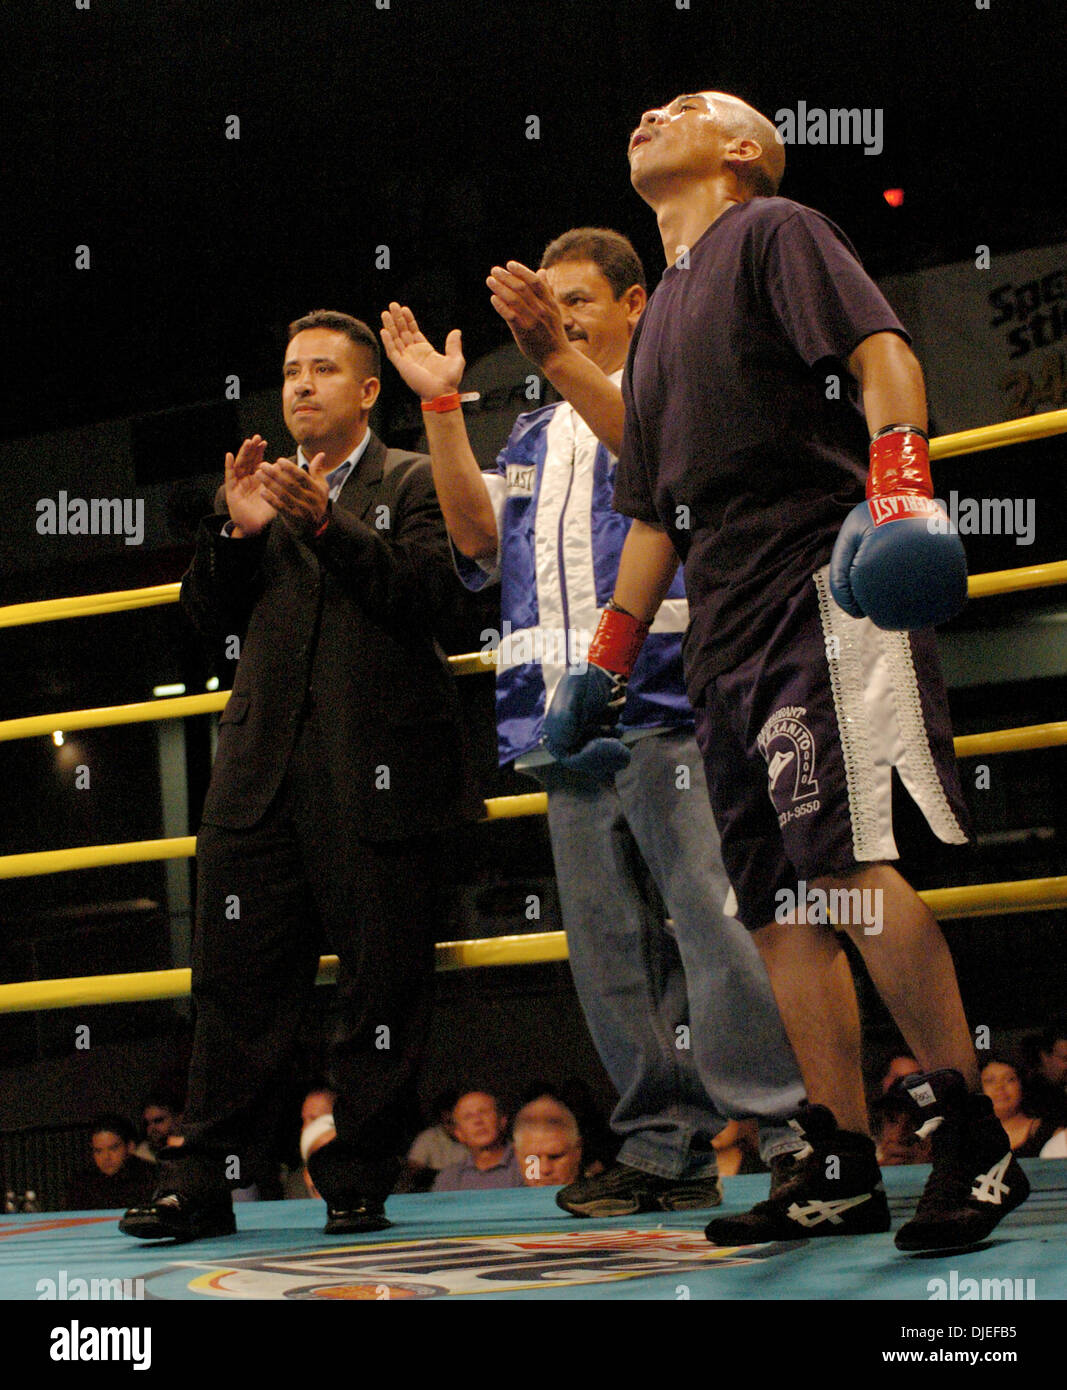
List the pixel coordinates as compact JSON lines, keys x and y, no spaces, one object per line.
{"x":681,"y":1012}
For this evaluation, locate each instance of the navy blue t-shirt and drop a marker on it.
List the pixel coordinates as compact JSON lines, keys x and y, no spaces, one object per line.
{"x":737,"y":440}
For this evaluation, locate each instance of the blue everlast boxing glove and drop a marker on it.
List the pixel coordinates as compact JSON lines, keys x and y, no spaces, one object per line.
{"x":897,"y":559}
{"x":586,"y":705}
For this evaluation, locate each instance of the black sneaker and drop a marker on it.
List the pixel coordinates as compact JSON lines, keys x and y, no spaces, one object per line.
{"x":170,"y":1216}
{"x":831,"y":1187}
{"x":976,"y":1179}
{"x":624,"y":1191}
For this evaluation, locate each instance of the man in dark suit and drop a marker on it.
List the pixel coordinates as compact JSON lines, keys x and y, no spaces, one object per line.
{"x":339,"y":766}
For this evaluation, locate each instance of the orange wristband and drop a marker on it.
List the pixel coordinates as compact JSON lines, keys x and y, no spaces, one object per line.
{"x":441,"y":405}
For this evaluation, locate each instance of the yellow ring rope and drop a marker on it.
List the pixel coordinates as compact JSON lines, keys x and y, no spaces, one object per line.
{"x":975,"y":900}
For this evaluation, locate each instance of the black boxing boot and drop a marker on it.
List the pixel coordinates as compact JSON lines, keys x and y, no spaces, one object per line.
{"x":976,"y":1179}
{"x":830,"y":1187}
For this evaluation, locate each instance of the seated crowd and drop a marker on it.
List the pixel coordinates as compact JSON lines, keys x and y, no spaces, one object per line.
{"x":1029,"y":1099}
{"x":556,"y":1135}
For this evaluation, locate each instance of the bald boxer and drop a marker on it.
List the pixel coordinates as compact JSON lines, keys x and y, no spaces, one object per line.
{"x":764,"y":376}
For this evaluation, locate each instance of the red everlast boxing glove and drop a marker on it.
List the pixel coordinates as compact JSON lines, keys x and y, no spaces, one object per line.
{"x":897,"y":559}
{"x":586,"y":705}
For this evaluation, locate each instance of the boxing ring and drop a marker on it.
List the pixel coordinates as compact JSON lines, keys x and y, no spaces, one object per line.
{"x":515,"y":1245}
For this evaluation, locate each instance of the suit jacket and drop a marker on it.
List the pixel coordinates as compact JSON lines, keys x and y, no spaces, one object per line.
{"x":343,"y":627}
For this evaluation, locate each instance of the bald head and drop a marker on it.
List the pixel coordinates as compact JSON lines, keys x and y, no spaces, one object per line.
{"x":762,"y":171}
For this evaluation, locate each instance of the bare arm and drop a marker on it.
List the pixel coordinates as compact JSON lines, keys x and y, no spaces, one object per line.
{"x":891,"y":381}
{"x":461,"y":489}
{"x":594,"y":396}
{"x":646,"y":570}
{"x":524,"y":301}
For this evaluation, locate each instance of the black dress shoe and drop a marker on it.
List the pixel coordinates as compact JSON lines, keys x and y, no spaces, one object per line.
{"x":354,"y":1216}
{"x":170,"y":1216}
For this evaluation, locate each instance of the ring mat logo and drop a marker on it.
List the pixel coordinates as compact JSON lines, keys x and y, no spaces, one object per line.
{"x":468,"y":1265}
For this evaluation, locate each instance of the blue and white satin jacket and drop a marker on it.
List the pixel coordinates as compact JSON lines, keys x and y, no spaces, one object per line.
{"x":560,"y":543}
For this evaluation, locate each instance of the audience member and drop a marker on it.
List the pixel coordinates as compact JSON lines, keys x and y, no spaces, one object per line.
{"x":161,"y":1118}
{"x":316,"y":1133}
{"x":480,"y":1126}
{"x":895,"y":1068}
{"x":118,"y":1178}
{"x":437,"y":1146}
{"x":432,"y":1149}
{"x":547,"y":1143}
{"x":599,"y":1145}
{"x":318,"y":1102}
{"x":317,"y":1107}
{"x":1027,"y":1133}
{"x":737,"y":1149}
{"x":896,"y":1141}
{"x":1046,"y":1072}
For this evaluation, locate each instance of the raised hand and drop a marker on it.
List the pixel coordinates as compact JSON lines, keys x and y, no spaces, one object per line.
{"x":250,"y":509}
{"x":523,"y":299}
{"x":429,"y":373}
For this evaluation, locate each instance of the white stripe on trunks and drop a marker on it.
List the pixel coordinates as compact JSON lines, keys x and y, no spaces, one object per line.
{"x":881,"y":726}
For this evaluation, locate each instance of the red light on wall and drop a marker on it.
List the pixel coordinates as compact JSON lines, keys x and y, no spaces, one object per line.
{"x":894,"y":196}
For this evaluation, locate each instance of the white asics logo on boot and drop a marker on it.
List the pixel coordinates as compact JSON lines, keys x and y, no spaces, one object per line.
{"x":991,"y":1187}
{"x":817,"y":1212}
{"x":922,"y":1094}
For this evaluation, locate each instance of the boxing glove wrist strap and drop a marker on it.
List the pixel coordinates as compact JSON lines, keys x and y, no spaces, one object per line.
{"x":899,"y":429}
{"x":900,"y":463}
{"x":617,"y":641}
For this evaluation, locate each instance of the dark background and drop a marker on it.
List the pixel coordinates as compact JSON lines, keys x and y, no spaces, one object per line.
{"x":406,"y":128}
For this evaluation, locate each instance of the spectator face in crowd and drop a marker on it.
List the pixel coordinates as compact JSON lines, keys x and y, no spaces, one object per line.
{"x":316,"y":1104}
{"x":895,"y":1137}
{"x":898,"y":1067}
{"x":160,"y":1123}
{"x":1053,"y":1064}
{"x":548,"y":1144}
{"x":1001,"y":1083}
{"x":110,"y":1151}
{"x":478,"y":1123}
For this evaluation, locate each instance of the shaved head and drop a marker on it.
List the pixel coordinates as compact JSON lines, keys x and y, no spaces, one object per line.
{"x":739,"y":121}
